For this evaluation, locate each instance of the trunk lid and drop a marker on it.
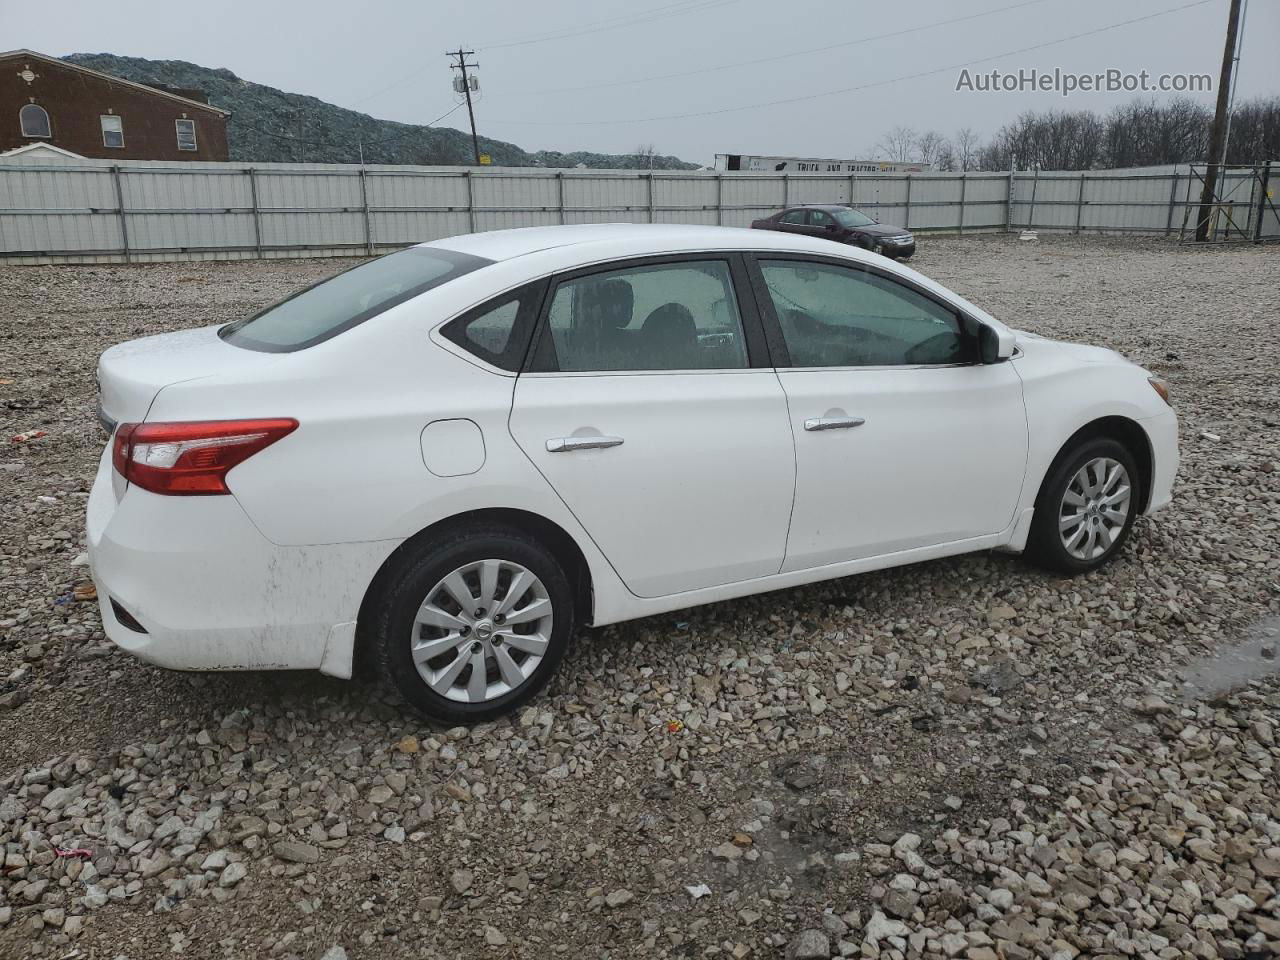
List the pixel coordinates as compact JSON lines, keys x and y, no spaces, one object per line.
{"x":131,"y":374}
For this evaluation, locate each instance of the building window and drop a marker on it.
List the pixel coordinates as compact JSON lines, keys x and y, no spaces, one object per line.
{"x":186,"y":134}
{"x":112,"y":131}
{"x":34,"y":120}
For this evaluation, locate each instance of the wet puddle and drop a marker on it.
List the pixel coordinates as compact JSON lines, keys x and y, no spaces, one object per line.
{"x":1234,"y":667}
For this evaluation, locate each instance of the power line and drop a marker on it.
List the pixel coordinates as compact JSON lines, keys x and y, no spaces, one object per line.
{"x":863,"y":86}
{"x":780,"y":56}
{"x":417,"y":72}
{"x":599,"y":26}
{"x":418,"y":128}
{"x":614,"y":23}
{"x":414,"y":129}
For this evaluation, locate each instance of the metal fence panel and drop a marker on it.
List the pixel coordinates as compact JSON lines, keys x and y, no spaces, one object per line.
{"x":985,"y":199}
{"x":401,"y":228}
{"x":398,"y":189}
{"x":685,"y":193}
{"x":747,"y":197}
{"x":815,"y":188}
{"x":590,"y":197}
{"x":29,"y":187}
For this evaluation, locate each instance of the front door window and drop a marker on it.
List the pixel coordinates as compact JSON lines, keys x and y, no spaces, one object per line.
{"x":835,"y":316}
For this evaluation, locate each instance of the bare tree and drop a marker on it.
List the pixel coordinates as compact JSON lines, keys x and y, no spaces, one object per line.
{"x":1255,"y":131}
{"x":1145,"y":133}
{"x":928,"y":145}
{"x":946,"y":162}
{"x":1054,"y":140}
{"x":965,"y":148}
{"x":646,"y":152}
{"x":1137,"y":134}
{"x":898,"y":144}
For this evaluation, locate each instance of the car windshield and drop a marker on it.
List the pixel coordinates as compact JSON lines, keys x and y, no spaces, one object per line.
{"x":851,"y":218}
{"x":332,"y":306}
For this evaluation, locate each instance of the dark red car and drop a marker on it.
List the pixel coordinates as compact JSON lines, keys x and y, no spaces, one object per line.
{"x":844,"y":225}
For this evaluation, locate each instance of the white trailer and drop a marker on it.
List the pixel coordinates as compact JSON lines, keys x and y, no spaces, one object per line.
{"x":758,"y":164}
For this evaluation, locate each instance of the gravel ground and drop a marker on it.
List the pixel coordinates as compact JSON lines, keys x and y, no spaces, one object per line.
{"x":962,"y":758}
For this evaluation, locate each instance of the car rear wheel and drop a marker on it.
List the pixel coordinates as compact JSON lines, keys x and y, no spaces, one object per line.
{"x":1086,"y":508}
{"x":474,"y":626}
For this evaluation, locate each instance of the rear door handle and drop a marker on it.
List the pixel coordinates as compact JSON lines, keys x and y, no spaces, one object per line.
{"x":570,"y":444}
{"x":833,"y":423}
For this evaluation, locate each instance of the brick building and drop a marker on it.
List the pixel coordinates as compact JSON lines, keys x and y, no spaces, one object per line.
{"x":47,"y":100}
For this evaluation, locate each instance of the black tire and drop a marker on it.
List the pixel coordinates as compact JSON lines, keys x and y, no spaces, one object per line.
{"x":425,"y":566}
{"x":1044,"y":544}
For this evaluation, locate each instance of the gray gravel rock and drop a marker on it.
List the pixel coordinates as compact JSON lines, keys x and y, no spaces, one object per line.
{"x":295,"y":851}
{"x":809,"y":945}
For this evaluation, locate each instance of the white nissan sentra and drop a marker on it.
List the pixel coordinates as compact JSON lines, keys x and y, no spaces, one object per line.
{"x":449,"y":458}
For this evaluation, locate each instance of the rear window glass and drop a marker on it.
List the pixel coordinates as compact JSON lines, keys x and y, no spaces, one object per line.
{"x":331,"y":306}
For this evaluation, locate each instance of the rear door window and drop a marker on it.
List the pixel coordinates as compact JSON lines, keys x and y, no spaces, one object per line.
{"x":332,"y":306}
{"x":662,"y":316}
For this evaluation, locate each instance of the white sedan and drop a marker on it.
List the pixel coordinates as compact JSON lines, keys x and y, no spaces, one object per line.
{"x":447,"y":459}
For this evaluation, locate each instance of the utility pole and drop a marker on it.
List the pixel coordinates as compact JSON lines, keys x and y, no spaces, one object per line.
{"x":1218,"y":136}
{"x":1235,"y":75}
{"x":462,"y":65}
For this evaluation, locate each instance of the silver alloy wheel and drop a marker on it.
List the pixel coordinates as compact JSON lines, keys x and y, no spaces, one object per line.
{"x":482,"y":631}
{"x":1094,"y":508}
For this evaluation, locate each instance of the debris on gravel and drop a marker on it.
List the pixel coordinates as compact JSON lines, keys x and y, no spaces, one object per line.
{"x":965,"y":758}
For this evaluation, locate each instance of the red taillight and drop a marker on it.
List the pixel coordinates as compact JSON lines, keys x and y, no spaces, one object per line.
{"x":191,"y":459}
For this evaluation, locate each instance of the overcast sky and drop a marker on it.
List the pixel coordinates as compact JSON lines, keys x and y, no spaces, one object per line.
{"x":567,"y":88}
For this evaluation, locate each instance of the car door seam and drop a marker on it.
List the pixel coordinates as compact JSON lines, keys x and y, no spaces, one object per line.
{"x":511,"y":412}
{"x":795,"y":469}
{"x":1026,"y":448}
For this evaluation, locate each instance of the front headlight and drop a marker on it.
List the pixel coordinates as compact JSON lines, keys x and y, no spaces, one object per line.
{"x":1160,"y":387}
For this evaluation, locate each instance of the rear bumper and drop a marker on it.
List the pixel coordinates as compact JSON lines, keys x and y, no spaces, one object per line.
{"x":212,"y":593}
{"x":105,"y":421}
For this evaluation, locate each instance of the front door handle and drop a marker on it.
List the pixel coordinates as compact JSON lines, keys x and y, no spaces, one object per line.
{"x":833,"y":423}
{"x":570,"y":444}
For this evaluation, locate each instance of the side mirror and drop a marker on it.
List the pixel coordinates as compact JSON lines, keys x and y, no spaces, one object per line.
{"x":994,"y":345}
{"x":832,"y":228}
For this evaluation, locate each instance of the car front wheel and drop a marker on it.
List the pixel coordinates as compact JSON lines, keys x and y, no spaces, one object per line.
{"x":1086,"y":508}
{"x":474,"y":626}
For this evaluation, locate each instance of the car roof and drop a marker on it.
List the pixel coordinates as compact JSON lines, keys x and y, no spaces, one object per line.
{"x":528,"y":253}
{"x":628,"y":239}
